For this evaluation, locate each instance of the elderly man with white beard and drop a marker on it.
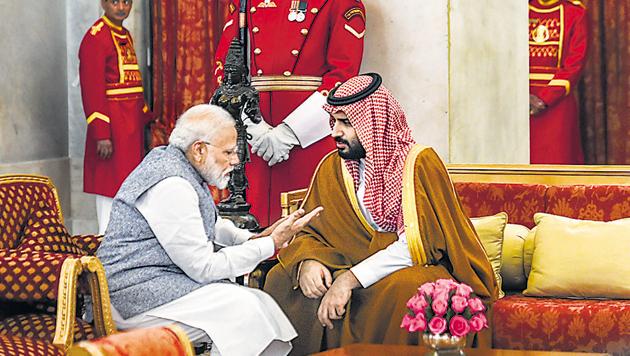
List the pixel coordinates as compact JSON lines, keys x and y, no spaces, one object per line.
{"x":169,"y":257}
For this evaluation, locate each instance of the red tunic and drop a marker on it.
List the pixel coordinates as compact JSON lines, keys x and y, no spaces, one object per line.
{"x":558,"y":36}
{"x":111,"y":88}
{"x":292,"y":59}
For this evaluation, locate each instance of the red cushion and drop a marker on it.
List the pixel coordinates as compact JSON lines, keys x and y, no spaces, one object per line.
{"x":590,"y":202}
{"x":519,"y":201}
{"x":13,"y":345}
{"x":528,"y":323}
{"x":41,"y":326}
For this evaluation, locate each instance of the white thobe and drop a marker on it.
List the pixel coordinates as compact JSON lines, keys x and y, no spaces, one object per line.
{"x":386,"y":261}
{"x":238,"y":320}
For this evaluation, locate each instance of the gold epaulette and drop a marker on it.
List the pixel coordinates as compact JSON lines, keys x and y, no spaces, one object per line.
{"x":96,"y":28}
{"x":578,"y":3}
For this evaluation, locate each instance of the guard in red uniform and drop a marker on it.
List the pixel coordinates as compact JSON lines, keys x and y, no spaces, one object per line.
{"x":299,"y":51}
{"x":558,"y":41}
{"x":113,"y":101}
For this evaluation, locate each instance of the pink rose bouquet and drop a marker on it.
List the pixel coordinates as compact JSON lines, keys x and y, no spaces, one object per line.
{"x":445,"y":307}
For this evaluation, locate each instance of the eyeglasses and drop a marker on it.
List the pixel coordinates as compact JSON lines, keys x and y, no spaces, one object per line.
{"x":228,"y":153}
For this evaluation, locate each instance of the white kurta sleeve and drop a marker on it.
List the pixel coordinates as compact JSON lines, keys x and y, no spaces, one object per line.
{"x":389,"y":260}
{"x":171,"y":208}
{"x":227,"y":234}
{"x":309,"y":122}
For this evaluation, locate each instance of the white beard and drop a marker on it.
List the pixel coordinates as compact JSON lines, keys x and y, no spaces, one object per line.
{"x":214,"y":176}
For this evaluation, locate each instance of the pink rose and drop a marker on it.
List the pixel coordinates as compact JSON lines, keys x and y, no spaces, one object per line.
{"x":440,"y":293}
{"x":417,"y":303}
{"x":458,"y":326}
{"x":427,"y":288}
{"x":406,"y":321}
{"x":478,"y":322}
{"x":459,"y":303}
{"x":419,"y":323}
{"x":463,"y":290}
{"x":437,"y":325}
{"x":476,"y":305}
{"x":446,"y":283}
{"x":439,"y":306}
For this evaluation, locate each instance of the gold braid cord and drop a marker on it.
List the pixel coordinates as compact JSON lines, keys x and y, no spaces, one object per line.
{"x":67,"y":302}
{"x":101,"y":307}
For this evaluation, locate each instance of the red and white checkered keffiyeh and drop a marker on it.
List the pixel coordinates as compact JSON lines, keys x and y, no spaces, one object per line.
{"x":382,"y":129}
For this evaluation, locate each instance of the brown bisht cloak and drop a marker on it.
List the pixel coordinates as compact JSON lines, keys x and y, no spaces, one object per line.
{"x":441,"y":239}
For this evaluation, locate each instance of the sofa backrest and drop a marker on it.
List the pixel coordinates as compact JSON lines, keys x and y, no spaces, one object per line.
{"x":584,"y":192}
{"x":519,"y":201}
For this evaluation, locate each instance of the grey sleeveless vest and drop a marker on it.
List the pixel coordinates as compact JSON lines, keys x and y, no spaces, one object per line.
{"x":140,"y":274}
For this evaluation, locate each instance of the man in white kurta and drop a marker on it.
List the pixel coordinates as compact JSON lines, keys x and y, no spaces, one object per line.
{"x":169,"y":257}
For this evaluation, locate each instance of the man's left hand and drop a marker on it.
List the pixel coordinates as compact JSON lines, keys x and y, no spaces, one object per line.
{"x":333,"y":305}
{"x":536,"y":105}
{"x":275,"y":145}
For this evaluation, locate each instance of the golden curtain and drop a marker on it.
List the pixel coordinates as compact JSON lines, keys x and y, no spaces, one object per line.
{"x":185,"y":37}
{"x":605,"y":88}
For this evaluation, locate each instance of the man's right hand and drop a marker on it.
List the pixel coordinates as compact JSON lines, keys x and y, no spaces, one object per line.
{"x":104,"y":148}
{"x":291,"y":225}
{"x":315,"y":279}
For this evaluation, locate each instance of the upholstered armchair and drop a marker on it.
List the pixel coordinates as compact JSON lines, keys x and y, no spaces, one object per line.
{"x":40,"y":268}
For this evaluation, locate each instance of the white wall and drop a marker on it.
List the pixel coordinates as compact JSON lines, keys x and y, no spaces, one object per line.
{"x":33,"y":103}
{"x":459,"y":68}
{"x":406,"y":42}
{"x":489,"y":88}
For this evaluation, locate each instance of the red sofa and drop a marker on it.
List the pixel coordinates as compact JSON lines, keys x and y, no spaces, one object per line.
{"x":588,"y":193}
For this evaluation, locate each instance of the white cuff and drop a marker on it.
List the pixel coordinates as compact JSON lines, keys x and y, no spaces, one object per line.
{"x":309,"y":122}
{"x":265,"y":245}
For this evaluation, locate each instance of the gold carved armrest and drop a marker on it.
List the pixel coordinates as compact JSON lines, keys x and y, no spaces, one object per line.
{"x":67,"y":302}
{"x":101,"y":307}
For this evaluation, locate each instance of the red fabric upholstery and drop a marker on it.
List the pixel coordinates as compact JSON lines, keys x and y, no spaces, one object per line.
{"x":30,"y":276}
{"x":34,"y":243}
{"x":41,"y":326}
{"x":13,"y":345}
{"x":20,"y":196}
{"x":590,"y":202}
{"x":87,"y":243}
{"x":519,"y":201}
{"x":528,"y":323}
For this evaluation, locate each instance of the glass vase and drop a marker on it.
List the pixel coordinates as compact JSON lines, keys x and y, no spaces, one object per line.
{"x":444,"y":344}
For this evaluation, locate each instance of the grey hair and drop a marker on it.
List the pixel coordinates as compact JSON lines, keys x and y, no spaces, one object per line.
{"x":200,"y":122}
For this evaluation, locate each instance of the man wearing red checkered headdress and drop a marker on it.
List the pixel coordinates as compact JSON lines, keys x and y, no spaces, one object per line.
{"x":390,"y":216}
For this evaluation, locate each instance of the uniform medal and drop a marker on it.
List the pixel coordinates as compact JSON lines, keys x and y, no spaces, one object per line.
{"x":301,"y":11}
{"x":293,"y":10}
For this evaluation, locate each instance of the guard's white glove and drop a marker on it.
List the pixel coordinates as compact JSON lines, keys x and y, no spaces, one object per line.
{"x":256,"y":131}
{"x":274,"y":147}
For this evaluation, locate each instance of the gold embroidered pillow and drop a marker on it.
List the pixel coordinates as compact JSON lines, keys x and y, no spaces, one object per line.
{"x":490,"y":231}
{"x":580,"y":258}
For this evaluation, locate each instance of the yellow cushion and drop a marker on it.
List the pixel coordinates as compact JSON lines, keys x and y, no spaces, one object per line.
{"x":490,"y":231}
{"x":528,"y":251}
{"x":580,"y":258}
{"x":512,"y":257}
